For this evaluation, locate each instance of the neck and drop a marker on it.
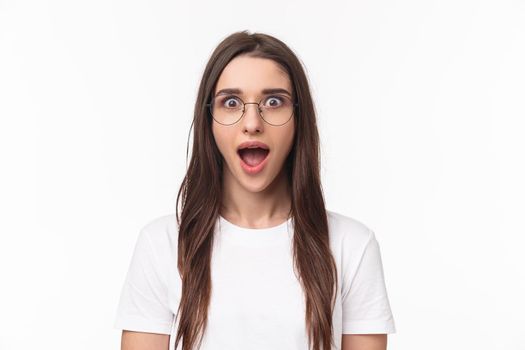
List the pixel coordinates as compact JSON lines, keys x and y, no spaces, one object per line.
{"x":265,"y":208}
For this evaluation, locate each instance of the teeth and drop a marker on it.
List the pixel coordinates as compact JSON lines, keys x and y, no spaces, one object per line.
{"x":253,"y":147}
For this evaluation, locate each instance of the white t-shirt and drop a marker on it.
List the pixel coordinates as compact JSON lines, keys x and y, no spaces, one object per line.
{"x":257,"y":302}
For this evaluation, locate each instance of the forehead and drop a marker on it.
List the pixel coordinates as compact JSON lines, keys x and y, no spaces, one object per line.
{"x":252,"y":75}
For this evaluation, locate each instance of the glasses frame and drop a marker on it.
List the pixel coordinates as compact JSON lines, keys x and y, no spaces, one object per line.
{"x":294,"y":104}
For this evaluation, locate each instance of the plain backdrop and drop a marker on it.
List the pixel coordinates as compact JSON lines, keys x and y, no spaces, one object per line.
{"x":420,"y":108}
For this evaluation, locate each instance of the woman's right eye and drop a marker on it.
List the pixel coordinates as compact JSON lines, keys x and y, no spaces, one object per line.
{"x":230,"y":102}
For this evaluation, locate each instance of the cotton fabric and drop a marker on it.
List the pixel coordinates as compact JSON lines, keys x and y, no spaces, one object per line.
{"x":257,"y":302}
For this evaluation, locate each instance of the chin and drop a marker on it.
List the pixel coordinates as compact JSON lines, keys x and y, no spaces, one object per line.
{"x":253,"y":185}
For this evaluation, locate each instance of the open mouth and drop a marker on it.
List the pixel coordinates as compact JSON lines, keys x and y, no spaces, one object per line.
{"x":253,"y":156}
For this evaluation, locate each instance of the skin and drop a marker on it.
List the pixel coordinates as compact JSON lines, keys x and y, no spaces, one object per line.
{"x":144,"y":341}
{"x":364,"y":342}
{"x":263,"y":199}
{"x":253,"y":201}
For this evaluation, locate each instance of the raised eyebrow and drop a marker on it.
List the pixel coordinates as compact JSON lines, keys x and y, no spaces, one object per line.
{"x":264,"y":91}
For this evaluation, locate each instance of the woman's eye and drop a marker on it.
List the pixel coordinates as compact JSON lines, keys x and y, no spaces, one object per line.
{"x":230,"y":102}
{"x":273,"y":101}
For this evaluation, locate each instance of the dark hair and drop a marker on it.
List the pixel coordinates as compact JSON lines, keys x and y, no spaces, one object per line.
{"x":201,"y":192}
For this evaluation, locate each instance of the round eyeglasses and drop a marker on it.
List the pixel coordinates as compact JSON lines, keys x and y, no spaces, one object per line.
{"x":275,"y":110}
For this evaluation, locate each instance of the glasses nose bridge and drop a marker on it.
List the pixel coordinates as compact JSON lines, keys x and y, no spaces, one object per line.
{"x":259,"y":112}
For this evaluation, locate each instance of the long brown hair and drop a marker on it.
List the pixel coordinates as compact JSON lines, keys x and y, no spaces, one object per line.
{"x":201,"y":191}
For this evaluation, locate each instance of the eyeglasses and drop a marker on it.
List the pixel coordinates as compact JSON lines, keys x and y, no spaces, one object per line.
{"x":275,"y":110}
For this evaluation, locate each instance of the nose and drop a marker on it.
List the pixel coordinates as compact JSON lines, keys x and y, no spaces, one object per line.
{"x":252,"y":121}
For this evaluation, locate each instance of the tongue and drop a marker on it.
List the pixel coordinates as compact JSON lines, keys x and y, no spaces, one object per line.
{"x":253,"y":156}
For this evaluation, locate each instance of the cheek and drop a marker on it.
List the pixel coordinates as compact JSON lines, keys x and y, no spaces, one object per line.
{"x":288,"y":136}
{"x":221,"y":139}
{"x":286,"y":141}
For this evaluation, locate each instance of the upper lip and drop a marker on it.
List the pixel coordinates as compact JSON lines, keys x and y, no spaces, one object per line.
{"x":253,"y":144}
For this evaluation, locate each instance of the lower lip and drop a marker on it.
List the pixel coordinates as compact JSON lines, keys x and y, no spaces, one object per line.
{"x":252,"y":170}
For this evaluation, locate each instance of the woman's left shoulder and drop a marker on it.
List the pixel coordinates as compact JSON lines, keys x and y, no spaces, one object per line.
{"x":347,"y":232}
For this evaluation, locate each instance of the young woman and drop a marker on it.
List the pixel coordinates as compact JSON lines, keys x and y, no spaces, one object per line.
{"x":254,"y":260}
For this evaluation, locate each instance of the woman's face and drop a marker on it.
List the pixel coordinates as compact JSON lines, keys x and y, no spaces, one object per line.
{"x":251,"y":75}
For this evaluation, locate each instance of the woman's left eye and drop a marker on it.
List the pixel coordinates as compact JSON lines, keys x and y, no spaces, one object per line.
{"x":273,"y":101}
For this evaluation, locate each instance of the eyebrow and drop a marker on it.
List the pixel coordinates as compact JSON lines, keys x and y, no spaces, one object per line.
{"x":264,"y":91}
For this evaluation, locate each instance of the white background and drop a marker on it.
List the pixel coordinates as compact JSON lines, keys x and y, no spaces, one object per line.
{"x":420,"y":107}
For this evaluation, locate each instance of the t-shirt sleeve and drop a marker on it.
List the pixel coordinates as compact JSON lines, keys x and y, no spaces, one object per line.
{"x":143,"y":304}
{"x":366,"y":308}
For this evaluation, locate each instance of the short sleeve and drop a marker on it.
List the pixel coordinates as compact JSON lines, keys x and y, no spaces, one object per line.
{"x":143,"y":304}
{"x":366,"y":308}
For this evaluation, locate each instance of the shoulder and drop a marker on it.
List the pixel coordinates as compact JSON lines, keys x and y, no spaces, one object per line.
{"x":162,"y":226}
{"x":161,"y":234}
{"x":349,"y":239}
{"x":346,"y":229}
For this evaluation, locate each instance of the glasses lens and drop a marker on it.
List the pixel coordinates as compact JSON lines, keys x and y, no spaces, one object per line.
{"x":276,"y":109}
{"x":226,"y":109}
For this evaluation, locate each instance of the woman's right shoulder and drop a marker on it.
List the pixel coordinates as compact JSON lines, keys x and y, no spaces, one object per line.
{"x":162,"y":232}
